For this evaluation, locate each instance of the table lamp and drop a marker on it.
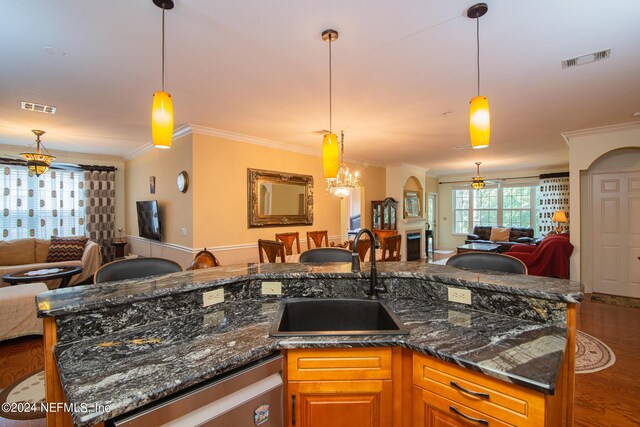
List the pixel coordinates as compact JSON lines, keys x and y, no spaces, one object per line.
{"x":559,"y":217}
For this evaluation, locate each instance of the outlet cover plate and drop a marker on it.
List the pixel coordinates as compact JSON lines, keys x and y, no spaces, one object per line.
{"x":215,"y":296}
{"x":271,"y":288}
{"x":462,"y":296}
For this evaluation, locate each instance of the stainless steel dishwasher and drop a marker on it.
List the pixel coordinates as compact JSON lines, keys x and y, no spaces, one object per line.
{"x":251,"y":396}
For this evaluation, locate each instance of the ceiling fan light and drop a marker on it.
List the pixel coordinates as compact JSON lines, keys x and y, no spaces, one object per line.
{"x":162,"y":120}
{"x":330,"y":155}
{"x":479,"y":122}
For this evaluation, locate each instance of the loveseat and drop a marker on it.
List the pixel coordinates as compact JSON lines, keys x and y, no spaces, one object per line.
{"x":26,"y":254}
{"x":550,"y":258}
{"x":482,"y":234}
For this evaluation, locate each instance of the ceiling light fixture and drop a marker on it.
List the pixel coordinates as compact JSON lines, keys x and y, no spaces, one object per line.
{"x":477,"y":182}
{"x":162,"y":108}
{"x":345,"y":181}
{"x":37,"y":162}
{"x":479,"y":118}
{"x":330,"y":148}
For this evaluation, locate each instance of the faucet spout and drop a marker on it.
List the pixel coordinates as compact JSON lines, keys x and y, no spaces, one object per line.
{"x":355,"y":262}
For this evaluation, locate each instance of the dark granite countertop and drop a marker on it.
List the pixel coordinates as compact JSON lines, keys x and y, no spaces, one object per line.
{"x":127,"y":344}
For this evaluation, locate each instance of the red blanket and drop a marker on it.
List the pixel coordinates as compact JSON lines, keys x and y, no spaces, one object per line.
{"x":550,"y":258}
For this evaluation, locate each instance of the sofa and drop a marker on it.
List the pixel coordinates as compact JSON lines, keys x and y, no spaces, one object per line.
{"x":517,"y":235}
{"x":31,"y":254}
{"x":550,"y":258}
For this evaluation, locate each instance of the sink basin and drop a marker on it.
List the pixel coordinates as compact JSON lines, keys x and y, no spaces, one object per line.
{"x":326,"y":316}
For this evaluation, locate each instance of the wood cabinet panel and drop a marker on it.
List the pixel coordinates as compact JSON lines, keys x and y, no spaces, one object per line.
{"x":339,"y":364}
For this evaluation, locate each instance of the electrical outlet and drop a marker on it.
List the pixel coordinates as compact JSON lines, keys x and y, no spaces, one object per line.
{"x":184,"y":231}
{"x":215,"y":296}
{"x":459,"y":295}
{"x":271,"y":288}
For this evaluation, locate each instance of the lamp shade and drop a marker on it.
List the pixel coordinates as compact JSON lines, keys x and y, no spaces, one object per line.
{"x":479,"y":122}
{"x":162,"y":120}
{"x":559,"y":216}
{"x":330,"y":155}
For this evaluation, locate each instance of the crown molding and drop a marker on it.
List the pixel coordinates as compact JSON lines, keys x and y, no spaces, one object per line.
{"x":570,"y":135}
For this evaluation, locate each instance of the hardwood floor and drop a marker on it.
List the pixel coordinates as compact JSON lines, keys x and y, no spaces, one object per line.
{"x":606,"y":398}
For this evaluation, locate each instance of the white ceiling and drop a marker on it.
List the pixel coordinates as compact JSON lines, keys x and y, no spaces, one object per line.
{"x":260,"y":68}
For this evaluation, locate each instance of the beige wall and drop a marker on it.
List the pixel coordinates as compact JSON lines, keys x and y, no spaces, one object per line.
{"x":175,"y":208}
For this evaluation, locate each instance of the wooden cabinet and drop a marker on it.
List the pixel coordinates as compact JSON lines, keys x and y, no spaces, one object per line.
{"x":340,"y":387}
{"x":383,"y":214}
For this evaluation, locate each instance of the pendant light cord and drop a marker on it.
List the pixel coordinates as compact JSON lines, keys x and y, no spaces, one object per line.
{"x":330,"y":87}
{"x":478,"y":51}
{"x":163,"y":49}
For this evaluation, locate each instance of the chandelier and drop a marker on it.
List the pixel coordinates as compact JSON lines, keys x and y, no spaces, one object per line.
{"x":37,"y":162}
{"x":477,"y":182}
{"x":344,"y":182}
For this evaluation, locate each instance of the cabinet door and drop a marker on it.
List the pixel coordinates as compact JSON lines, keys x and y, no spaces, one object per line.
{"x":340,"y":403}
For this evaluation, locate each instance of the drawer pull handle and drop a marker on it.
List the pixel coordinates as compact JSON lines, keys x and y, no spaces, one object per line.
{"x":472,"y":393}
{"x":467,"y":417}
{"x":293,"y":409}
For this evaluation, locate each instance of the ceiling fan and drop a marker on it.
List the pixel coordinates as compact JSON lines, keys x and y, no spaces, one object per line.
{"x":38,"y":162}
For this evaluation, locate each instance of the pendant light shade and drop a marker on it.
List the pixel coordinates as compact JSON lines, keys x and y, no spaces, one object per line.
{"x":162,"y":120}
{"x":479,"y":117}
{"x":479,"y":122}
{"x":162,"y":107}
{"x":330,"y":155}
{"x":38,"y":162}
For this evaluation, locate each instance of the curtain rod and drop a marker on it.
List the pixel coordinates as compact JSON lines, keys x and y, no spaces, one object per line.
{"x":489,"y":179}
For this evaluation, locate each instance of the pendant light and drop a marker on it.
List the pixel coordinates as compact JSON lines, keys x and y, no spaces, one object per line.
{"x":479,"y":118}
{"x":162,"y":108}
{"x":37,"y":162}
{"x":330,"y":147}
{"x":477,"y":182}
{"x":344,"y":182}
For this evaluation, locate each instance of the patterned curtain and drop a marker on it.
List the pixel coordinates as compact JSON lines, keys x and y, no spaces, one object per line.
{"x":99,"y":200}
{"x":41,"y":207}
{"x":553,"y":196}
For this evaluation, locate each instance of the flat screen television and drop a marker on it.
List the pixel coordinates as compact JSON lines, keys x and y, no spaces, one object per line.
{"x":148,"y":220}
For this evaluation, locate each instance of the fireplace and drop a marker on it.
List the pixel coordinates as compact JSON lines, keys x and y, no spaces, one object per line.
{"x":413,"y":246}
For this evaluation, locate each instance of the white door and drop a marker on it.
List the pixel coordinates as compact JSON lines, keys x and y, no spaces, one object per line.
{"x":616,"y":233}
{"x":432,"y":216}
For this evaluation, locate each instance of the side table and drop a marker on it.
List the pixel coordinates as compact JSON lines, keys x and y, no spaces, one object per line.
{"x":120,"y":245}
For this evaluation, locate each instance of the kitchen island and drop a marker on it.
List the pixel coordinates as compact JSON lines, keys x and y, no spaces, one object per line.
{"x":122,"y":345}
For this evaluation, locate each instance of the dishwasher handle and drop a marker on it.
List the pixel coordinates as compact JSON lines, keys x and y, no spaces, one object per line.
{"x":293,"y":409}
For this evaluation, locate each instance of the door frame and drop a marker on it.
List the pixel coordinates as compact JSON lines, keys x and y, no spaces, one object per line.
{"x":434,"y":226}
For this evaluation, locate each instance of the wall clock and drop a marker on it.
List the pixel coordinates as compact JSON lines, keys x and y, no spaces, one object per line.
{"x":183,"y":182}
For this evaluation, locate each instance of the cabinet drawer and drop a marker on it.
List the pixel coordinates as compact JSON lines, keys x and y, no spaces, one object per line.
{"x":508,"y":402}
{"x":339,"y":364}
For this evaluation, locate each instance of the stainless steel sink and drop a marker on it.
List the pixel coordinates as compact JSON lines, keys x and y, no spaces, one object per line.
{"x":327,"y":316}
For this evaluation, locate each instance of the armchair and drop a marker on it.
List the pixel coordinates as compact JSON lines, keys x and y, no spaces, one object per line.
{"x":550,"y":258}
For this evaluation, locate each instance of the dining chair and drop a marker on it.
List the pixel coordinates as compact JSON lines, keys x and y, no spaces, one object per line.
{"x":289,"y":239}
{"x":317,"y":237}
{"x":488,"y":261}
{"x":272,"y":248}
{"x":391,"y":248}
{"x":134,"y":268}
{"x":381,"y":234}
{"x":204,"y":259}
{"x":330,"y":254}
{"x":364,"y":245}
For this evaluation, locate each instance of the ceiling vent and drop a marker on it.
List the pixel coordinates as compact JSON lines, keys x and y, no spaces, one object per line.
{"x":40,"y":108}
{"x":585,"y":59}
{"x":462,"y":147}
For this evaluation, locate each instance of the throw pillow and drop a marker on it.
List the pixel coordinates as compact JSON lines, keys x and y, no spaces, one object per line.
{"x":499,"y":234}
{"x":66,"y":248}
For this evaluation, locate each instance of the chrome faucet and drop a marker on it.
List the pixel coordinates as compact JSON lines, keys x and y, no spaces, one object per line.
{"x":355,"y":263}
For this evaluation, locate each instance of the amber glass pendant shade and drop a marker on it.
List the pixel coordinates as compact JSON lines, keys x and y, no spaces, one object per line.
{"x":162,"y":120}
{"x":330,"y":155}
{"x":479,"y":122}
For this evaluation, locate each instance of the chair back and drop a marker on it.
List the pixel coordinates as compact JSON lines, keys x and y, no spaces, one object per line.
{"x":289,"y":239}
{"x":391,"y":248}
{"x":204,"y":259}
{"x":381,"y":234}
{"x":134,"y":268}
{"x":488,"y":261}
{"x":273,"y":250}
{"x":317,"y":237}
{"x":364,"y":245}
{"x":326,"y":255}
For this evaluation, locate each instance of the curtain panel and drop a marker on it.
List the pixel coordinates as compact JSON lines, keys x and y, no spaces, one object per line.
{"x":553,"y":196}
{"x":99,"y":201}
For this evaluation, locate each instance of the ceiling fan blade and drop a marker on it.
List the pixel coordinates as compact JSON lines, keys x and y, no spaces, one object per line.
{"x":66,"y":166}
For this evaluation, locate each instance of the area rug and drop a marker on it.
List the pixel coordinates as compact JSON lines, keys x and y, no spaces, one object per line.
{"x":592,"y":355}
{"x":616,"y":300}
{"x":28,"y":390}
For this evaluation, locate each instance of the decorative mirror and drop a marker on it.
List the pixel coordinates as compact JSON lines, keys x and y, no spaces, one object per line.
{"x":412,"y":204}
{"x":279,"y":198}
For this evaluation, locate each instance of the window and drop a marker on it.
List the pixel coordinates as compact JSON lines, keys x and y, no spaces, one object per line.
{"x":49,"y":205}
{"x":504,"y":205}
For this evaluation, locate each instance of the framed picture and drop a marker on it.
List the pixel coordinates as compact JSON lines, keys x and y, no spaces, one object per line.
{"x":152,"y":184}
{"x":411,"y":204}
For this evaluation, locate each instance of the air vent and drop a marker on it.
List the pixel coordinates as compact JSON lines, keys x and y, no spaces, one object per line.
{"x":585,"y":59}
{"x":40,"y":108}
{"x":462,"y":147}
